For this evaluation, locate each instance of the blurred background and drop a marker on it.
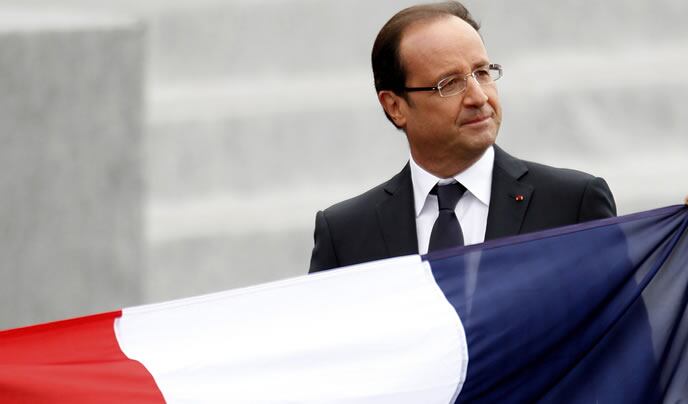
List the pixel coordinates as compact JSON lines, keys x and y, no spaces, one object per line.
{"x":152,"y":150}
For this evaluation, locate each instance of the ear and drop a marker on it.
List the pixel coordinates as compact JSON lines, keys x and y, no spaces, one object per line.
{"x":395,"y":107}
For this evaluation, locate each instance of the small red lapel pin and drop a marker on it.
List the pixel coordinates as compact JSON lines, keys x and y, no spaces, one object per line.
{"x":519,"y":198}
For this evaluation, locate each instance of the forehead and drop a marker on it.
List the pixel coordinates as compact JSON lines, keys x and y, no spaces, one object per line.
{"x":440,"y":46}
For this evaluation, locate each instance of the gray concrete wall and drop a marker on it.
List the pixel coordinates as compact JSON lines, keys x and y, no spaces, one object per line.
{"x":71,"y":225}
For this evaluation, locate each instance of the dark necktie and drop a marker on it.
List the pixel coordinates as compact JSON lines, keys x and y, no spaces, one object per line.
{"x":446,"y":232}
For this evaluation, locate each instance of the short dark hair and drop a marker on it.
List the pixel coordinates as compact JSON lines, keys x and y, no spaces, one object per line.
{"x":388,"y":70}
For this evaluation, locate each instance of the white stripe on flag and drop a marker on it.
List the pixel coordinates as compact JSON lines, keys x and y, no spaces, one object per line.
{"x":374,"y":333}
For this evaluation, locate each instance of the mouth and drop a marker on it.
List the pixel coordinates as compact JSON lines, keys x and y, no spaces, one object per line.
{"x":477,"y":120}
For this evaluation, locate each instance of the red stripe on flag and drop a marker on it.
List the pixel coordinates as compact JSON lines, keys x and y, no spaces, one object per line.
{"x":71,"y":361}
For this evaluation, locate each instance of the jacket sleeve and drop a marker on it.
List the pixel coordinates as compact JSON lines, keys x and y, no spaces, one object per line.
{"x":323,"y":256}
{"x":597,"y":201}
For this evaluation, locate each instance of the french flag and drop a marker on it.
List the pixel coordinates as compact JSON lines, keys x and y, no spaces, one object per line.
{"x":590,"y":313}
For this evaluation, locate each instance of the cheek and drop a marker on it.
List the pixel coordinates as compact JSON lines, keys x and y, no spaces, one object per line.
{"x":493,"y":100}
{"x":448,"y":112}
{"x":437,"y":115}
{"x":496,"y":107}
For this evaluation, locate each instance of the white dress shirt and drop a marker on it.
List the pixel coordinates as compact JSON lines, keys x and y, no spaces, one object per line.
{"x":471,"y":209}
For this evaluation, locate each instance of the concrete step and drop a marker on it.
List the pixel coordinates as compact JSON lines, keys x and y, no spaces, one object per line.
{"x":232,"y":135}
{"x":217,"y":38}
{"x":236,"y":135}
{"x":214,"y":242}
{"x":512,"y":28}
{"x":194,"y":266}
{"x":269,"y":37}
{"x":594,"y":104}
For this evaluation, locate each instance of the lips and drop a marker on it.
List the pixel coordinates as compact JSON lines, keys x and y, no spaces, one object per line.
{"x":476,"y":120}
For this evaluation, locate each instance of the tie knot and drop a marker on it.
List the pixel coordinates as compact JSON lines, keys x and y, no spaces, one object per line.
{"x":448,"y":195}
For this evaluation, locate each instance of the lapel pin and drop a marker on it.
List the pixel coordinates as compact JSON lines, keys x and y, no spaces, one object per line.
{"x":519,"y":198}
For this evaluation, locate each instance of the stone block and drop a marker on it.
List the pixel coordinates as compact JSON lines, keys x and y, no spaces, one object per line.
{"x":71,"y":227}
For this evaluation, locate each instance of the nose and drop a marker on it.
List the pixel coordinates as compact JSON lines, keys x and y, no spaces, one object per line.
{"x":475,"y":94}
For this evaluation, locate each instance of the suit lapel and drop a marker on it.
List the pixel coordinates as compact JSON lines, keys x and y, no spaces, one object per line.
{"x":396,"y":216}
{"x":510,"y":198}
{"x":508,"y":205}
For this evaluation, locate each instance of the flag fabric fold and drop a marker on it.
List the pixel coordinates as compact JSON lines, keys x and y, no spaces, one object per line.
{"x":595,"y":312}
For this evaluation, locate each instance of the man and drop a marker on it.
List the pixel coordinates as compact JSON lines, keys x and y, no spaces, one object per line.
{"x":435,"y":82}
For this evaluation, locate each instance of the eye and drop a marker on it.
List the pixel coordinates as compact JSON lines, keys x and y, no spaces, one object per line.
{"x":482,"y":75}
{"x":449,"y":84}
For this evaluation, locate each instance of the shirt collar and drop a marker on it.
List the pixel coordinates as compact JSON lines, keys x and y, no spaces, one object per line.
{"x":477,"y":179}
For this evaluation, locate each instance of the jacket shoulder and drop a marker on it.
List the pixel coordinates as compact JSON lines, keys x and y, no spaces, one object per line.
{"x":584,"y":196}
{"x":563,"y":195}
{"x":357,"y":204}
{"x":349,"y":232}
{"x":563,"y":178}
{"x":370,"y":199}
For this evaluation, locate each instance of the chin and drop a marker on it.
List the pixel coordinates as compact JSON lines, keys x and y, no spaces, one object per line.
{"x":480,"y":143}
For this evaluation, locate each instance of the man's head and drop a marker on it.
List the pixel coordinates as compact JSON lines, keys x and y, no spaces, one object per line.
{"x":418,"y":47}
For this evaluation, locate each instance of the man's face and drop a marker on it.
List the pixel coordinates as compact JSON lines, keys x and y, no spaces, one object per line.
{"x":445,"y":134}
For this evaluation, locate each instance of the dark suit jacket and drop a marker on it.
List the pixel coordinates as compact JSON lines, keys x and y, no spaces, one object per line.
{"x":381,"y":222}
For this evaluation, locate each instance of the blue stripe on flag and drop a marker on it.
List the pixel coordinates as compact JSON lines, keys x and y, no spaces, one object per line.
{"x":590,"y":313}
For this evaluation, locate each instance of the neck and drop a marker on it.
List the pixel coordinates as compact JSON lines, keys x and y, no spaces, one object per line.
{"x":446,"y":168}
